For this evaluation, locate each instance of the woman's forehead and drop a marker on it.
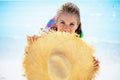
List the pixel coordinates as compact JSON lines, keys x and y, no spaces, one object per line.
{"x":68,"y":17}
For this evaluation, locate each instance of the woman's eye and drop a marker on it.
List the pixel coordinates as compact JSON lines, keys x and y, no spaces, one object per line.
{"x":72,"y":24}
{"x":62,"y":22}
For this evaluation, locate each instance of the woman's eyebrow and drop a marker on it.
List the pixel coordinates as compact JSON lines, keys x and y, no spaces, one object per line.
{"x":62,"y":20}
{"x":72,"y":22}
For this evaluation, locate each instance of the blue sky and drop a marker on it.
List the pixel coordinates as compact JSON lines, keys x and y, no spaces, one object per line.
{"x":100,"y":18}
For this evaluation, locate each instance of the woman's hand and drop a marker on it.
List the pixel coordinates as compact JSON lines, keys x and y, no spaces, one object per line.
{"x":96,"y":64}
{"x":31,"y":39}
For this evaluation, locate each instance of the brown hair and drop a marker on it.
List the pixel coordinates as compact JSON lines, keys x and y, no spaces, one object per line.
{"x":72,"y":9}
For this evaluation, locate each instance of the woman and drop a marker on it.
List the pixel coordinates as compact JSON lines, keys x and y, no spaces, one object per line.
{"x":67,"y":19}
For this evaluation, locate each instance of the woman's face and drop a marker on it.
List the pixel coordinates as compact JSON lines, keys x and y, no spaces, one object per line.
{"x":67,"y":23}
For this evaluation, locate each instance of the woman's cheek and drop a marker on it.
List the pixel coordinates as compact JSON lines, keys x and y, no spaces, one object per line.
{"x":60,"y":28}
{"x":72,"y":31}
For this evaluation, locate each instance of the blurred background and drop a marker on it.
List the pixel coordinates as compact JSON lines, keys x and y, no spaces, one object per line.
{"x":100,"y":24}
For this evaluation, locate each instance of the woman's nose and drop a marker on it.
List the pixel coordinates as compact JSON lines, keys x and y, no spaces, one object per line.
{"x":66,"y":27}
